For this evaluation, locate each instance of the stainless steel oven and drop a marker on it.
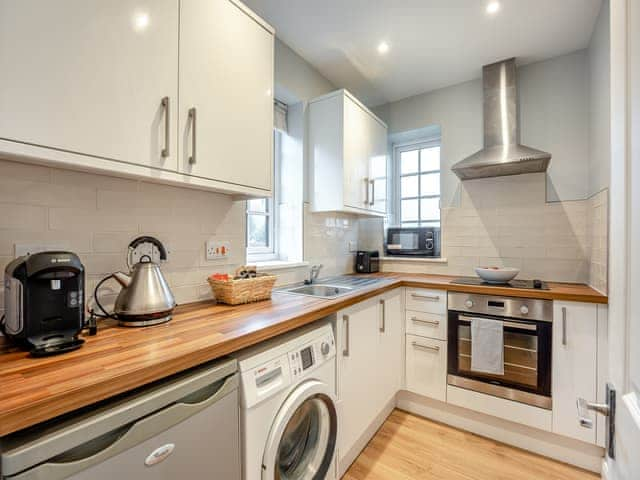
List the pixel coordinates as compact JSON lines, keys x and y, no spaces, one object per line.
{"x":526,"y":337}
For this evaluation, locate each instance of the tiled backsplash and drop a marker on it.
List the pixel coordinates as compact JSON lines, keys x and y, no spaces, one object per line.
{"x":506,"y":221}
{"x":97,"y":216}
{"x":598,"y":240}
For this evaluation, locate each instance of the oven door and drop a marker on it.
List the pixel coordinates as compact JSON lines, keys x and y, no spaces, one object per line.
{"x":527,"y":360}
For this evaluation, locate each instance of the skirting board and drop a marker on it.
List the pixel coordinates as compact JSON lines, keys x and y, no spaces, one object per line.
{"x":559,"y":448}
{"x":350,"y":456}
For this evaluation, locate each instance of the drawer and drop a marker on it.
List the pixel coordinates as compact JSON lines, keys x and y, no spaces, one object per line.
{"x":426,"y":367}
{"x":426,"y":324}
{"x":429,"y":301}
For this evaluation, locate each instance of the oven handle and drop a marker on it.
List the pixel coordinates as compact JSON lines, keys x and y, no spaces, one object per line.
{"x":518,"y":325}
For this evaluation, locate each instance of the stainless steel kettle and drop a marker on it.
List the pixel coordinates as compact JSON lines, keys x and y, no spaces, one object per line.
{"x":145,"y":298}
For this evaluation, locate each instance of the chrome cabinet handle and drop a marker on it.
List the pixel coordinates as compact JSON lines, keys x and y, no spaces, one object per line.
{"x":425,"y":347}
{"x":167,"y":124}
{"x":428,"y":322}
{"x":366,"y":200}
{"x":373,"y":192}
{"x":433,"y":298}
{"x":564,"y":326}
{"x":192,"y":117}
{"x":345,"y":351}
{"x":383,"y":327}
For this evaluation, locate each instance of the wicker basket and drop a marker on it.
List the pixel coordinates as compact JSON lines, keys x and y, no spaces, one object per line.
{"x":245,"y":290}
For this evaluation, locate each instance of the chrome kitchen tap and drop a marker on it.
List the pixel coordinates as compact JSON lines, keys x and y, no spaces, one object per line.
{"x":313,"y":273}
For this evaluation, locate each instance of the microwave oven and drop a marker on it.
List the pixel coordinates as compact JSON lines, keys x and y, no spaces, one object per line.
{"x":417,"y":241}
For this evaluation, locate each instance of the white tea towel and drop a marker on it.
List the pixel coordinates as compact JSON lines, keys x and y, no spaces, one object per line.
{"x":487,"y":346}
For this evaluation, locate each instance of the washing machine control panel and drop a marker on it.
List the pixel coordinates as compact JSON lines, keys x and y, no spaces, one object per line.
{"x":309,"y":356}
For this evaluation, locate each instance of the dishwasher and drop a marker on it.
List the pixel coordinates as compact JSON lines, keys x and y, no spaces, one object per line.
{"x":186,"y":427}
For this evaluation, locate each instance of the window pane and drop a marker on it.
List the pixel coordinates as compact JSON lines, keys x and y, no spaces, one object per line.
{"x":409,"y":162}
{"x":410,"y":224}
{"x":430,"y":209}
{"x":409,"y":186}
{"x":430,"y":159}
{"x":257,"y":205}
{"x":430,"y":224}
{"x":409,"y":210}
{"x":379,"y":167}
{"x":430,"y":184}
{"x":257,"y":231}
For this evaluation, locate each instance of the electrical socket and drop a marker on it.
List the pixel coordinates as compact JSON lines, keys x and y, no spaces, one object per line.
{"x":22,"y":249}
{"x":353,"y":246}
{"x":215,"y":249}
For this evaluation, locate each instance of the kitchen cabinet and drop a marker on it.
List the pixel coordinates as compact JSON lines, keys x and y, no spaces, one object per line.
{"x":348,"y":156}
{"x":226,"y":94}
{"x":426,"y":367}
{"x":179,"y":91}
{"x":574,"y":363}
{"x":89,"y":77}
{"x":369,"y":366}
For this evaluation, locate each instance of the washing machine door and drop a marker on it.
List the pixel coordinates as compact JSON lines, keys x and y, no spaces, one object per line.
{"x":302,"y":440}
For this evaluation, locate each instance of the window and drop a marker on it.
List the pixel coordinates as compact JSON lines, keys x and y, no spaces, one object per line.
{"x":418,"y":184}
{"x":262,"y":218}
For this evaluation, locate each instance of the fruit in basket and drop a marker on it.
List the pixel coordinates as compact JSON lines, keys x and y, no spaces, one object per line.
{"x":220,"y":276}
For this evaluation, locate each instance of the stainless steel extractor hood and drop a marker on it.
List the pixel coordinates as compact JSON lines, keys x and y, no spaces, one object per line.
{"x":502,"y":153}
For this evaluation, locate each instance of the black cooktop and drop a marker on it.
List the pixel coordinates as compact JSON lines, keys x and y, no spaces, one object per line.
{"x":526,"y":284}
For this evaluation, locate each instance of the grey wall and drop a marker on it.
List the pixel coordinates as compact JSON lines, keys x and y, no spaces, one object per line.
{"x":599,"y":95}
{"x":554,"y":108}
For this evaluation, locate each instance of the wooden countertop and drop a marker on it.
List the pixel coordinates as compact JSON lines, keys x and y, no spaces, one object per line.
{"x":120,"y":359}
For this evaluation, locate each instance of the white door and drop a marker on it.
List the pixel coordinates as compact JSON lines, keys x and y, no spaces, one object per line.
{"x":357,"y":189}
{"x":358,"y":388}
{"x":226,"y":79}
{"x":89,"y":76}
{"x":624,"y":273}
{"x":389,"y":360}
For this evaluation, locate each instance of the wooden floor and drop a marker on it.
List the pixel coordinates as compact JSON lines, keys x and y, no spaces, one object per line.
{"x":411,"y":447}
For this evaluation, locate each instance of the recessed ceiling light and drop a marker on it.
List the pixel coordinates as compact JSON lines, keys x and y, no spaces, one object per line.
{"x":493,"y":7}
{"x":383,"y":47}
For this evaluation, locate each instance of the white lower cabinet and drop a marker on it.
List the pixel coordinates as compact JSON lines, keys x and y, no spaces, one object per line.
{"x":426,"y":367}
{"x":574,"y":366}
{"x":369,"y":367}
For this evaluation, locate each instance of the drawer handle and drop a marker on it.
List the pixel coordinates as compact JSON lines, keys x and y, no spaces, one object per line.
{"x":425,"y":347}
{"x":433,"y":298}
{"x":428,"y":322}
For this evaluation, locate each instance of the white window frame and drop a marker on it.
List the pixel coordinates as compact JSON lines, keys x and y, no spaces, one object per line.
{"x":397,"y":179}
{"x":270,"y":252}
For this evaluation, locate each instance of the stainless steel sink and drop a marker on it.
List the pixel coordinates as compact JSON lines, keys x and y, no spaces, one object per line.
{"x":320,"y":290}
{"x":331,"y":287}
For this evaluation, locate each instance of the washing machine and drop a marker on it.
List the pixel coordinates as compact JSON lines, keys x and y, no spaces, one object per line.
{"x":288,"y":407}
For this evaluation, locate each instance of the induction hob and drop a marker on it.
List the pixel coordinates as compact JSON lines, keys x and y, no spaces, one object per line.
{"x":526,"y":284}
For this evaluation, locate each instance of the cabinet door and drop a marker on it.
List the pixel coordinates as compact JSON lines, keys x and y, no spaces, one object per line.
{"x":390,"y":359}
{"x":359,"y":355}
{"x":574,"y":366}
{"x":378,"y":165}
{"x":226,"y":75}
{"x":357,"y":188}
{"x":426,"y":367}
{"x":89,"y":76}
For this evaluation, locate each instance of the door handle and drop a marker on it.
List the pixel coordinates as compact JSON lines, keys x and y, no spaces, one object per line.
{"x":373,"y":192}
{"x":345,"y":351}
{"x":167,"y":125}
{"x":584,"y":407}
{"x":192,"y":117}
{"x":564,"y":326}
{"x":383,"y":327}
{"x":367,"y":184}
{"x":608,"y":410}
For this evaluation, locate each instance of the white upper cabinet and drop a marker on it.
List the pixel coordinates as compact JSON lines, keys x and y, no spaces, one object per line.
{"x":89,"y":76}
{"x":348,"y":156}
{"x":109,"y":86}
{"x":226,"y":78}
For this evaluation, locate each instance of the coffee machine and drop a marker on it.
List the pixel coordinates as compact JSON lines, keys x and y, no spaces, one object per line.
{"x":44,"y":302}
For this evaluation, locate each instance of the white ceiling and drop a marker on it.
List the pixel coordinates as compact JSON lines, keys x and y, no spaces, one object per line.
{"x":434,"y":43}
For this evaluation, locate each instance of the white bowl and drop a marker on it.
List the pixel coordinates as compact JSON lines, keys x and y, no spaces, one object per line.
{"x":497,"y":274}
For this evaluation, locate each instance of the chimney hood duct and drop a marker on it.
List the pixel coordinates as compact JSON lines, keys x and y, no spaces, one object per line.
{"x":502,"y":153}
